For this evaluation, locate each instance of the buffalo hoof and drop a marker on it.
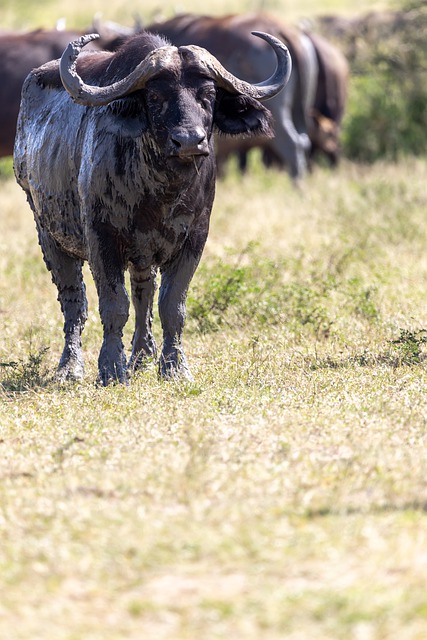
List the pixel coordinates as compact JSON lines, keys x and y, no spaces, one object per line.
{"x":111,"y":376}
{"x":112,"y":363}
{"x":72,"y":371}
{"x":140,"y":361}
{"x":175,"y":368}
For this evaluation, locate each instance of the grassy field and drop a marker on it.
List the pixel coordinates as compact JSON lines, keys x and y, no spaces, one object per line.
{"x":283,"y":494}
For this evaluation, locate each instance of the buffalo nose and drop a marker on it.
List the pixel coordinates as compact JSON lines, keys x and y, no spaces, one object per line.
{"x":186,"y":143}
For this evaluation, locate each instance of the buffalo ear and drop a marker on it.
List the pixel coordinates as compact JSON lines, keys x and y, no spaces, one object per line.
{"x":239,"y":114}
{"x":130,"y":112}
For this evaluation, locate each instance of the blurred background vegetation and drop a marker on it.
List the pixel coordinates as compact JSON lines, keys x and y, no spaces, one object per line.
{"x":29,"y":14}
{"x":387,"y":113}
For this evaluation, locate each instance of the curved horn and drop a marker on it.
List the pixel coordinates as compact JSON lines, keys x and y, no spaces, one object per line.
{"x":261,"y":91}
{"x":94,"y":96}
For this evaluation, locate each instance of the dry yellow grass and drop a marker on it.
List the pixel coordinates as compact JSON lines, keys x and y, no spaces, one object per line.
{"x":283,"y":494}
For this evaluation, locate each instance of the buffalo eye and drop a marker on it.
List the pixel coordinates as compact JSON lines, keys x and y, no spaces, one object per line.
{"x":205,"y":97}
{"x":157,"y":100}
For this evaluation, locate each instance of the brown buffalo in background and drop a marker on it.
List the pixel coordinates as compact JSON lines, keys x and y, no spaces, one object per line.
{"x":20,"y":52}
{"x":330,"y":99}
{"x":325,"y":116}
{"x":307,"y":115}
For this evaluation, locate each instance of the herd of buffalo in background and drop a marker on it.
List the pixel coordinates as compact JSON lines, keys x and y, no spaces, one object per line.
{"x":308,"y":114}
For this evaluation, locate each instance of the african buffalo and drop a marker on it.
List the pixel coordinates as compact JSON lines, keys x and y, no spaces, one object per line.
{"x":324,"y":117}
{"x":122,"y":174}
{"x":229,"y":39}
{"x":19,"y":53}
{"x":330,"y":99}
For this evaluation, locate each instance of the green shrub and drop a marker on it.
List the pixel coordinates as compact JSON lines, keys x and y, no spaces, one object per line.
{"x":250,"y":291}
{"x":409,"y":345}
{"x":387,"y":111}
{"x":25,"y":374}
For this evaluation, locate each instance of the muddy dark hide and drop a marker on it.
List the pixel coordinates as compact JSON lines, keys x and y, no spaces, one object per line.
{"x":126,"y":185}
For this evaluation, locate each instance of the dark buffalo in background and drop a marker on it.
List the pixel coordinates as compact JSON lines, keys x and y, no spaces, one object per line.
{"x":324,"y":119}
{"x":115,"y":152}
{"x":20,"y":52}
{"x":330,"y":99}
{"x":229,"y":39}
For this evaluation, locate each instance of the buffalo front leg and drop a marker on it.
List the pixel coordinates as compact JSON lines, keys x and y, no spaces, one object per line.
{"x":67,"y":275}
{"x":172,"y":309}
{"x":143,"y":288}
{"x":107,"y":269}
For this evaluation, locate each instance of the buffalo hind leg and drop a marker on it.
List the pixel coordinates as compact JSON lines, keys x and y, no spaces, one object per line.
{"x":67,"y":275}
{"x":143,"y":288}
